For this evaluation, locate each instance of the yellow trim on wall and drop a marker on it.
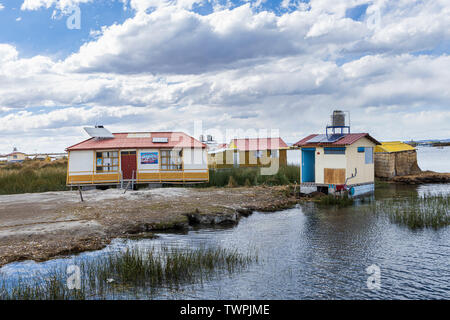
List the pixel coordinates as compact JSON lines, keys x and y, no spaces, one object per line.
{"x":142,"y":176}
{"x":67,"y":173}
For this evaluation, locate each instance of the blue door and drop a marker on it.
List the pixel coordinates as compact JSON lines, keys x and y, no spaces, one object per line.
{"x":308,"y":165}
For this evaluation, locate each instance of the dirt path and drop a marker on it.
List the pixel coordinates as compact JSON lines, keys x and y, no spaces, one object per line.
{"x":43,"y":225}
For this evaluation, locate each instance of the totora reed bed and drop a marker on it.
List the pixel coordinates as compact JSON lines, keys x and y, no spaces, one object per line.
{"x":134,"y":270}
{"x":416,"y":212}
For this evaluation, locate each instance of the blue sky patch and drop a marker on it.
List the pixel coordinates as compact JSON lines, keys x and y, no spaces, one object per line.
{"x":357,"y":13}
{"x":38,"y":33}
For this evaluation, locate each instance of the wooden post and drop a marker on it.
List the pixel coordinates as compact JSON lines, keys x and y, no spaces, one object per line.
{"x":81,"y":194}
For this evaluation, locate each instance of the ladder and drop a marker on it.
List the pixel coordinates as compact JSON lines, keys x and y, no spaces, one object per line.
{"x":130,"y":182}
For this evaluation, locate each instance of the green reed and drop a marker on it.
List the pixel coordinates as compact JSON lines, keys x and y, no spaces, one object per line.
{"x":417,"y":212}
{"x":252,"y":177}
{"x":135,"y":270}
{"x":33,"y":176}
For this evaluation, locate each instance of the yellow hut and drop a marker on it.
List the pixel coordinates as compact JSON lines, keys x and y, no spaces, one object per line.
{"x":249,"y":153}
{"x":395,"y":158}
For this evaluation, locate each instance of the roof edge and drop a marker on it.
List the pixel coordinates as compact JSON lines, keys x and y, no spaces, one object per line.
{"x":309,"y":137}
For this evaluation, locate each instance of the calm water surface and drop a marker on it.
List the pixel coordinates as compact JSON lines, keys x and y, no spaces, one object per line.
{"x":311,"y":253}
{"x":434,"y":159}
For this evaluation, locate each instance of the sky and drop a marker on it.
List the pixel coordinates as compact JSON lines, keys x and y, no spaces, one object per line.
{"x":221,"y":66}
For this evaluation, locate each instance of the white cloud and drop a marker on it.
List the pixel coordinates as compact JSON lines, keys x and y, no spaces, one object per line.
{"x":7,"y":53}
{"x":236,"y":68}
{"x":174,"y":40}
{"x":171,"y":39}
{"x":412,"y":25}
{"x":60,"y":4}
{"x":2,"y":7}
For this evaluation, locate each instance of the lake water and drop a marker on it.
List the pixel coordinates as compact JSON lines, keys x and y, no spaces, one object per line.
{"x":434,"y":159}
{"x":310,"y":252}
{"x":428,"y":158}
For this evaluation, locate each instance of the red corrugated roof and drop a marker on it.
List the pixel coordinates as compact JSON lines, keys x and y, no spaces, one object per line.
{"x":13,"y":153}
{"x":303,"y":141}
{"x":348,"y":139}
{"x":122,"y":141}
{"x":254,"y":144}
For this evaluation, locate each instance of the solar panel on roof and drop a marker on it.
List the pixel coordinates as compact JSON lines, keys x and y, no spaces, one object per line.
{"x":325,"y":139}
{"x":317,"y":138}
{"x":335,"y":137}
{"x":160,"y":140}
{"x":98,"y":132}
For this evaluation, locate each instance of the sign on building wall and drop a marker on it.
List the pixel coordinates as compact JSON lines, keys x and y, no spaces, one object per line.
{"x":149,"y":158}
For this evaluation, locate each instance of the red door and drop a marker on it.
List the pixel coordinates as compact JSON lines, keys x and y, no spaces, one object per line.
{"x":128,"y":164}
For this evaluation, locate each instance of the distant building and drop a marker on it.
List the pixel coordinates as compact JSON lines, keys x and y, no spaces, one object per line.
{"x":145,"y":157}
{"x":16,"y":156}
{"x":249,"y":152}
{"x":338,"y":160}
{"x":42,"y":157}
{"x":395,"y":158}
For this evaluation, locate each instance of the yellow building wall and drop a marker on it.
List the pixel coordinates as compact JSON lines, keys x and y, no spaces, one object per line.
{"x":330,"y":161}
{"x":355,"y":159}
{"x":351,"y":160}
{"x":19,"y":157}
{"x":247,"y":159}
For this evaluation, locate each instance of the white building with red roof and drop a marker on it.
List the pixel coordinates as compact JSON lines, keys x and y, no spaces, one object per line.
{"x":140,"y":157}
{"x":16,"y":156}
{"x":338,"y":160}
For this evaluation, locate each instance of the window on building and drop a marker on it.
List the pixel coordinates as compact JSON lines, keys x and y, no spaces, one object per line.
{"x":172,"y":159}
{"x":369,"y":155}
{"x":361,"y":149}
{"x":194,"y":157}
{"x":107,"y":161}
{"x":334,"y":150}
{"x":14,"y":157}
{"x":258,"y":154}
{"x":274,"y":153}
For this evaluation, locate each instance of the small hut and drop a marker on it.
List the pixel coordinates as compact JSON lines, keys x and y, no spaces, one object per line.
{"x":138,"y":157}
{"x":249,"y":153}
{"x":395,"y":158}
{"x":16,"y":156}
{"x":338,"y":160}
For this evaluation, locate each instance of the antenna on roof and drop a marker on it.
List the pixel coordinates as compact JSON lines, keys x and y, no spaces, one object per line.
{"x":99,"y":132}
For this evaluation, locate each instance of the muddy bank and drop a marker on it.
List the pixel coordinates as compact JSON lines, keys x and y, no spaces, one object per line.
{"x":423,"y":177}
{"x":41,"y":226}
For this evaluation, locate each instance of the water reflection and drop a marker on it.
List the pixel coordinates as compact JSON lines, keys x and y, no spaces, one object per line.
{"x":311,"y":252}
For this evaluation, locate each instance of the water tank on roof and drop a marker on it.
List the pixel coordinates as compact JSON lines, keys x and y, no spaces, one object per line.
{"x":338,"y":118}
